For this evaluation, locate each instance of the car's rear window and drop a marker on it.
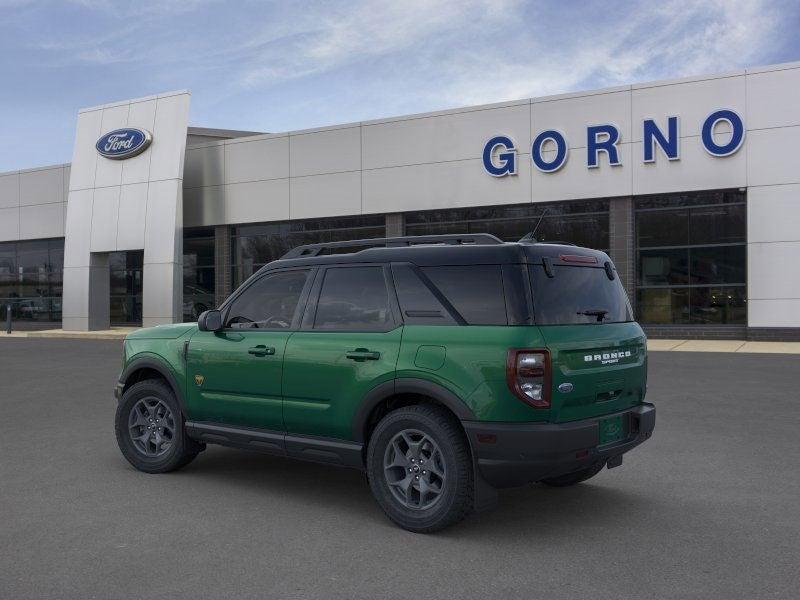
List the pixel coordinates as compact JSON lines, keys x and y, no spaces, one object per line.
{"x":578,"y":295}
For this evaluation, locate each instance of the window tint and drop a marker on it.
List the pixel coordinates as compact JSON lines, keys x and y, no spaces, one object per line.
{"x":269,"y":303}
{"x":566,"y":298}
{"x":353,"y":298}
{"x":418,"y":303}
{"x":476,"y":292}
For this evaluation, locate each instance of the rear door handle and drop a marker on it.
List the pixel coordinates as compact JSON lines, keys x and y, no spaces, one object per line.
{"x":261,"y":350}
{"x":362,"y":354}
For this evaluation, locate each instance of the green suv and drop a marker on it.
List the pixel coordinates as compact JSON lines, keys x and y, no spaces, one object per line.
{"x":444,"y":367}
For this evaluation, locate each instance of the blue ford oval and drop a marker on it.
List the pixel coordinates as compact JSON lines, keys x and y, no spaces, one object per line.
{"x":123,"y":143}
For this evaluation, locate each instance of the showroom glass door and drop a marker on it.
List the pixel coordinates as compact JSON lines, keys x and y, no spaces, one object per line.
{"x":126,"y":287}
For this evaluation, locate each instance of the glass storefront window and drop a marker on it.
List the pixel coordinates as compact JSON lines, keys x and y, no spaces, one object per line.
{"x":584,"y":223}
{"x":198,"y":272}
{"x":30,"y":280}
{"x":253,"y":246}
{"x":692,"y":258}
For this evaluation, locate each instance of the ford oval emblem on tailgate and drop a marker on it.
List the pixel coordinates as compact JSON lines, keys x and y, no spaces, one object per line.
{"x":566,"y":388}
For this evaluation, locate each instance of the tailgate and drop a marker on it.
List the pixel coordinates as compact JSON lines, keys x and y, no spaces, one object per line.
{"x":596,"y":369}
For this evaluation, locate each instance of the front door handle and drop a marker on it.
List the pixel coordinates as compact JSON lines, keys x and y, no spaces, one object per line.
{"x":362,"y":354}
{"x":261,"y":350}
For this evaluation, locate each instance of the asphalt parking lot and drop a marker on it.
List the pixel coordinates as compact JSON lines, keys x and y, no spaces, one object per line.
{"x":709,"y":508}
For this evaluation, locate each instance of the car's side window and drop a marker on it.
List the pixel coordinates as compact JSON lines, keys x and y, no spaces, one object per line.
{"x":353,"y":298}
{"x":269,"y":303}
{"x":418,"y":303}
{"x":476,"y":291}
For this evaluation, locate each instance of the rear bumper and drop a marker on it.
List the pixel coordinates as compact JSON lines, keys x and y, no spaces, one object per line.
{"x":513,"y":454}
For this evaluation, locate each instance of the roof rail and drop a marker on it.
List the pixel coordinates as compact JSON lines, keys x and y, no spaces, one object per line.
{"x":557,"y":242}
{"x":451,"y":239}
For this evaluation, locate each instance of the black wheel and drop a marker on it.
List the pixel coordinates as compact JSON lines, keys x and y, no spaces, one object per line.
{"x":150,"y":429}
{"x":575,"y":477}
{"x":420,"y":468}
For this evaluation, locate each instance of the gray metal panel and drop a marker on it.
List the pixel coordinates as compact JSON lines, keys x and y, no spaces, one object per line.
{"x":9,"y":190}
{"x":105,"y":213}
{"x":169,"y":138}
{"x":335,"y":194}
{"x":132,"y":211}
{"x":162,"y":293}
{"x":203,"y":206}
{"x":257,"y":201}
{"x":442,"y":185}
{"x":67,"y":171}
{"x":76,"y":244}
{"x":84,"y":157}
{"x":204,"y":166}
{"x":99,"y":292}
{"x":443,"y":138}
{"x":41,"y":221}
{"x":76,"y":293}
{"x":45,"y":186}
{"x":9,"y":224}
{"x":109,"y":172}
{"x":327,"y":151}
{"x":143,"y":116}
{"x":257,"y":160}
{"x":162,"y":235}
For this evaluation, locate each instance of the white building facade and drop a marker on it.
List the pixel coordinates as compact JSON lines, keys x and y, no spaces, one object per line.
{"x":692,"y":186}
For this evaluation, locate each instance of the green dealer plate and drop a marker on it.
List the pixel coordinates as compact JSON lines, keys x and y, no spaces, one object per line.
{"x":611,"y":430}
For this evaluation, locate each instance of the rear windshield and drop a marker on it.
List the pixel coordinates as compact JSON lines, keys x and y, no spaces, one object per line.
{"x":578,"y":295}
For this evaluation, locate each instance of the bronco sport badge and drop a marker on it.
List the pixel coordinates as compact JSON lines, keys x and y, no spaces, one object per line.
{"x":608,"y":358}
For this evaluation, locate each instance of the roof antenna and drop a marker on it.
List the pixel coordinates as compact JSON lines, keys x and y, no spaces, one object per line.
{"x":531,"y":237}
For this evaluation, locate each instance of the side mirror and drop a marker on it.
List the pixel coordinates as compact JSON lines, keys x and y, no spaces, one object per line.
{"x":210,"y":320}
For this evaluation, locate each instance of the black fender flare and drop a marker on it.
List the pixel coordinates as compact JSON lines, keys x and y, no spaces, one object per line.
{"x":407,"y":385}
{"x":149,"y":362}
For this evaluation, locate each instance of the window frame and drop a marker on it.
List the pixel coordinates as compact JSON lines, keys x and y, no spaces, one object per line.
{"x":252,"y":280}
{"x":310,"y":312}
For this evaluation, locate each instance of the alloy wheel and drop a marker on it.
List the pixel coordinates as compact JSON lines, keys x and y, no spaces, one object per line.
{"x":151,"y":427}
{"x":414,"y":469}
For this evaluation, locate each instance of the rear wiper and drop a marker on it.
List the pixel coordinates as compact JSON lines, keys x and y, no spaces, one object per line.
{"x":599,"y":313}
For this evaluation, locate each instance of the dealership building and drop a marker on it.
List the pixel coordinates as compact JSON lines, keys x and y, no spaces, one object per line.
{"x":692,"y":186}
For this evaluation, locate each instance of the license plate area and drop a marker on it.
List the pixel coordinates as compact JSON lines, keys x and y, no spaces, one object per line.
{"x":611,"y":430}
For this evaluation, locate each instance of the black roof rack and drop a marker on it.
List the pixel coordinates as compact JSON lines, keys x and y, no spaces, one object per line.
{"x":477,"y":239}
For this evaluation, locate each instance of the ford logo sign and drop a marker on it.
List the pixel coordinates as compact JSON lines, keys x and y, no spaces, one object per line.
{"x":566,"y":388}
{"x":123,"y":143}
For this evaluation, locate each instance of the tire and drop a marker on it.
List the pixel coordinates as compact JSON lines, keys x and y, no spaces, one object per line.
{"x":166,"y":447}
{"x":576,"y":477}
{"x":442,"y":492}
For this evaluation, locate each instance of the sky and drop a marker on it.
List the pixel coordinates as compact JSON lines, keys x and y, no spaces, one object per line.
{"x":278,"y":66}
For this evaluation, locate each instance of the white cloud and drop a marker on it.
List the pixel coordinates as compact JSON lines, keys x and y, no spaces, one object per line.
{"x":674,"y":40}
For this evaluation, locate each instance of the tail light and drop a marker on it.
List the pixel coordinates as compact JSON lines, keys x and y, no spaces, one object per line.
{"x":528,"y":376}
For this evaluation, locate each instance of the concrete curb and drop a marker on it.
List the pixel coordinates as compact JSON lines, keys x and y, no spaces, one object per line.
{"x":738,"y":346}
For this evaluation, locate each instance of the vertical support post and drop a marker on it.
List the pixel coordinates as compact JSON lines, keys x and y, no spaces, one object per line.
{"x":395,"y":225}
{"x":8,"y":318}
{"x":621,"y":243}
{"x":222,"y":264}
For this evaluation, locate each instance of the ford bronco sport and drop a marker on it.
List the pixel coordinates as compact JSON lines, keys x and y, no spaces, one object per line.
{"x":444,"y":367}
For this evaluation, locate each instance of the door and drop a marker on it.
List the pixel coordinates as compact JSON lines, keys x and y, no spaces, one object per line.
{"x":348,"y":344}
{"x":234,"y":375}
